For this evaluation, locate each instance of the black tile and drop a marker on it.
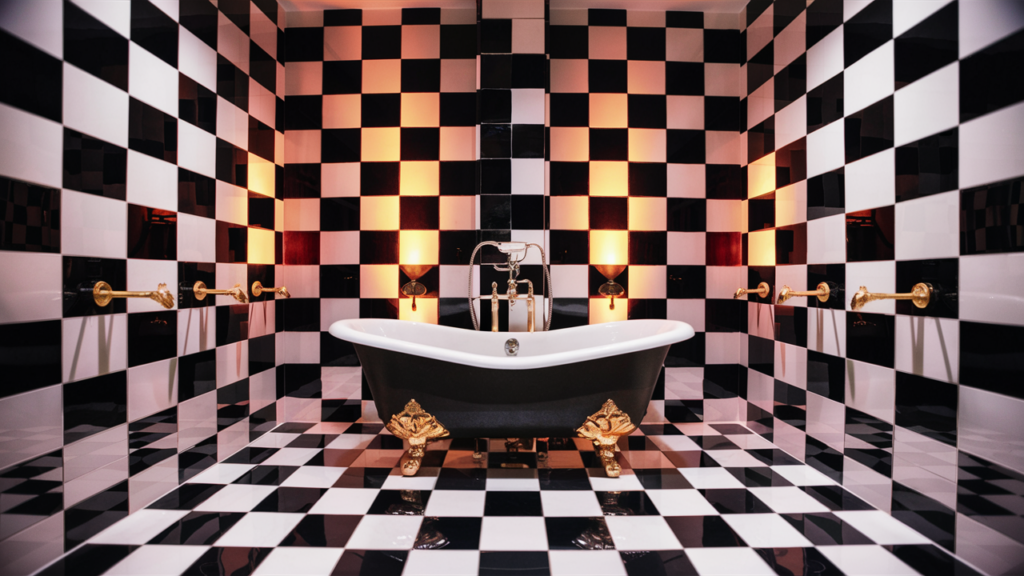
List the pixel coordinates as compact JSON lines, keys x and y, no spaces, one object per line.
{"x":725,"y":315}
{"x":155,"y":31}
{"x":942,"y":275}
{"x":400,"y":502}
{"x":238,"y":11}
{"x":871,"y":338}
{"x":928,"y":166}
{"x":826,"y":194}
{"x":94,"y":405}
{"x":724,"y":182}
{"x":927,"y":46}
{"x":761,"y":354}
{"x":720,"y":113}
{"x":527,"y":212}
{"x":262,"y":67}
{"x":825,"y":529}
{"x":685,"y":147}
{"x":564,"y":479}
{"x":341,"y":77}
{"x":495,"y":176}
{"x":307,"y":45}
{"x":609,"y":76}
{"x":645,"y":44}
{"x":448,"y":534}
{"x":734,"y":501}
{"x":924,"y":514}
{"x":606,"y":17}
{"x":339,"y":281}
{"x":197,"y":374}
{"x":569,"y":178}
{"x":198,"y":528}
{"x":186,"y":497}
{"x":570,"y":247}
{"x":232,"y":164}
{"x":723,"y":249}
{"x":495,"y":212}
{"x":929,"y":559}
{"x":31,"y":356}
{"x":237,"y":561}
{"x":825,"y":102}
{"x":250,"y":455}
{"x":826,"y":375}
{"x":666,"y":563}
{"x":152,"y":233}
{"x":513,"y":563}
{"x":290,"y":499}
{"x":232,"y":83}
{"x":927,"y":407}
{"x":339,"y":214}
{"x":232,"y":243}
{"x":991,"y":357}
{"x":512,"y":503}
{"x":578,"y":534}
{"x":495,"y":141}
{"x":609,"y":144}
{"x":200,"y":18}
{"x":458,"y":109}
{"x":528,"y":141}
{"x":834,"y":275}
{"x":867,"y":30}
{"x":197,"y":104}
{"x":568,"y":42}
{"x":870,"y":235}
{"x":870,"y":130}
{"x":648,"y":248}
{"x":990,"y":218}
{"x":421,"y":75}
{"x":723,"y":381}
{"x":495,"y":36}
{"x":152,"y":336}
{"x":29,"y":217}
{"x":608,"y":213}
{"x":703,"y":532}
{"x":627,"y":503}
{"x":723,"y":46}
{"x":92,"y":165}
{"x":91,"y":516}
{"x":681,"y":78}
{"x":791,"y":83}
{"x":495,"y":71}
{"x":822,"y":18}
{"x":152,"y":132}
{"x":529,"y":71}
{"x":461,"y":479}
{"x":791,"y":163}
{"x":686,"y":282}
{"x":984,"y":85}
{"x":232,"y":404}
{"x":197,"y":458}
{"x":761,"y":67}
{"x":306,"y":112}
{"x":89,"y":560}
{"x":343,"y":17}
{"x":495,"y":106}
{"x":420,"y":143}
{"x":648,"y":179}
{"x":662,"y":479}
{"x":92,"y":46}
{"x":458,"y":41}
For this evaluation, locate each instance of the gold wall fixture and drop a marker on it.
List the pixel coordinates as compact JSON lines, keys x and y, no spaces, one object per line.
{"x":762,"y":290}
{"x":604,"y":428}
{"x":512,"y":296}
{"x":201,"y":291}
{"x":418,"y":427}
{"x":258,"y":288}
{"x":414,"y":287}
{"x":920,"y":295}
{"x":611,"y":289}
{"x":102,"y":293}
{"x":822,"y":292}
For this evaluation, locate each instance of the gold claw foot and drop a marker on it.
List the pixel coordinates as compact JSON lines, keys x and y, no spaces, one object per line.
{"x":419,"y":428}
{"x":604,"y":428}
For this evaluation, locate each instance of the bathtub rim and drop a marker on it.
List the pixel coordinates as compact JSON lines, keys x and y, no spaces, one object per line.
{"x":344,"y":330}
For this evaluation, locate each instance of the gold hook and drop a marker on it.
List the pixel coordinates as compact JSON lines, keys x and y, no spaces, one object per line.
{"x":200,"y":290}
{"x":822,"y":293}
{"x":920,"y":295}
{"x":102,"y":294}
{"x":762,"y":291}
{"x":258,"y":288}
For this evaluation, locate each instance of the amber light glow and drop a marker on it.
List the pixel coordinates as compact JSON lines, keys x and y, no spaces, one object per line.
{"x":261,"y":246}
{"x":761,"y":176}
{"x":601,"y":312}
{"x":417,"y":253}
{"x":609,"y":247}
{"x":418,"y":247}
{"x":761,"y":248}
{"x":261,"y":175}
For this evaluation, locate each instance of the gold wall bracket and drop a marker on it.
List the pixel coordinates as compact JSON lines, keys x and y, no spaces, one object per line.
{"x":258,"y":288}
{"x":604,"y":428}
{"x":102,"y":294}
{"x":822,"y":293}
{"x":762,"y":290}
{"x":201,"y":291}
{"x":414,"y":289}
{"x":513,"y":297}
{"x":418,"y":427}
{"x":920,"y":295}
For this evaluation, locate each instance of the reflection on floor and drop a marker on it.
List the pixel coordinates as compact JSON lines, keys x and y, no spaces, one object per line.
{"x":328,"y":499}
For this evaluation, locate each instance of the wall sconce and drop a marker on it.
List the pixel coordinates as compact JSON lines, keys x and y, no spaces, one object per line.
{"x":611,"y":289}
{"x":609,"y":253}
{"x":414,"y":288}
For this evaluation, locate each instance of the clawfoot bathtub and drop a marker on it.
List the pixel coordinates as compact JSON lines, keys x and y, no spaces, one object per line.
{"x":433,"y":382}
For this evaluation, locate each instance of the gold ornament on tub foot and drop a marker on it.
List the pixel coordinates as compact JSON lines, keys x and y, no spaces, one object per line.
{"x":604,"y":428}
{"x":419,"y":428}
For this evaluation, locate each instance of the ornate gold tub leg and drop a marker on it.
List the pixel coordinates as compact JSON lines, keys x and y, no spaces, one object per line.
{"x":418,"y":427}
{"x":604,"y":428}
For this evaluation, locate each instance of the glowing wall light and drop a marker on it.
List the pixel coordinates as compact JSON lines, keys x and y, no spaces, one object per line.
{"x":761,"y":248}
{"x":761,"y":176}
{"x":417,"y":253}
{"x":609,"y":253}
{"x":261,"y":175}
{"x":261,"y":246}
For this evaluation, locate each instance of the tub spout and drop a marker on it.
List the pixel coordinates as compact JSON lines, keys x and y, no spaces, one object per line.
{"x":604,"y":428}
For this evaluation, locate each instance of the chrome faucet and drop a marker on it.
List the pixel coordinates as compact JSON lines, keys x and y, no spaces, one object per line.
{"x":516,"y":253}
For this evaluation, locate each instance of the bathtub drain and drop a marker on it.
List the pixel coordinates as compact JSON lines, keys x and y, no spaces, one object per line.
{"x":511,"y":347}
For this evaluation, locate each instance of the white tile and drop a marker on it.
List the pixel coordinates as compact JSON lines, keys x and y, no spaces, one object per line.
{"x":871,"y":389}
{"x":690,"y":310}
{"x":94,"y":107}
{"x":158,"y":561}
{"x":96,"y":481}
{"x":236,"y":498}
{"x":928,"y":106}
{"x":152,"y":80}
{"x":232,"y":43}
{"x":826,"y":148}
{"x":527,"y":176}
{"x":291,"y":456}
{"x":146,"y":275}
{"x":686,"y":181}
{"x":139,"y":528}
{"x":872,"y":487}
{"x":586,"y":563}
{"x":515,"y":9}
{"x":513,"y":533}
{"x":928,"y":346}
{"x":627,"y":481}
{"x":559,"y":503}
{"x":152,"y":388}
{"x":871,"y":181}
{"x":760,"y":32}
{"x":923,"y":227}
{"x":232,"y":123}
{"x":232,"y":364}
{"x":197,"y":419}
{"x":641,"y":533}
{"x":766,"y":530}
{"x":825,"y":59}
{"x":196,"y":59}
{"x":881,"y":527}
{"x":197,"y":150}
{"x":826,"y":240}
{"x":992,"y":426}
{"x":152,"y":182}
{"x":987,"y":548}
{"x":686,"y":248}
{"x":442,"y":563}
{"x":94,"y":452}
{"x":940,"y":489}
{"x":512,"y":481}
{"x":197,"y":239}
{"x":722,"y":281}
{"x":984,"y":22}
{"x":724,"y":79}
{"x":710,"y":478}
{"x":734,"y":458}
{"x":826,"y":331}
{"x":116,"y":15}
{"x":31,"y":147}
{"x":345,"y":501}
{"x":260,"y":529}
{"x":722,"y":347}
{"x":909,"y":13}
{"x":675,"y":443}
{"x":877,"y":276}
{"x":385,"y":533}
{"x":728,"y":561}
{"x":991,"y":147}
{"x":38,"y":23}
{"x":681,"y":503}
{"x":791,"y":122}
{"x":37,"y":293}
{"x":34,"y":547}
{"x":760,"y":392}
{"x":456,"y":503}
{"x":302,"y":281}
{"x":93,"y":225}
{"x":803,"y":475}
{"x":221,"y":473}
{"x":527,"y":106}
{"x":791,"y":364}
{"x":262,"y":390}
{"x":296,"y":561}
{"x":274,"y":440}
{"x":869,"y":79}
{"x":397,"y":481}
{"x":866,"y":561}
{"x":761,"y":104}
{"x":787,"y":500}
{"x":197,"y":329}
{"x":988,"y":288}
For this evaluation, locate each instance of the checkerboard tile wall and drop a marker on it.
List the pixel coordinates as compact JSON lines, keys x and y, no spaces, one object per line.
{"x":142,"y":144}
{"x":876,"y":155}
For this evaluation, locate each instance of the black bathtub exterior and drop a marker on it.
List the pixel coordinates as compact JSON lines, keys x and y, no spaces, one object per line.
{"x":476,"y":402}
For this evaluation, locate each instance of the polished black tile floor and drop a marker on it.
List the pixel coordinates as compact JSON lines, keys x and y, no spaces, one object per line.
{"x":328,"y":499}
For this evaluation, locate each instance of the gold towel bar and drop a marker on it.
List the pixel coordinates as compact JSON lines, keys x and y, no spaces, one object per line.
{"x":258,"y":288}
{"x":762,"y":290}
{"x":822,"y":293}
{"x":920,"y":294}
{"x":102,"y":293}
{"x":200,"y":290}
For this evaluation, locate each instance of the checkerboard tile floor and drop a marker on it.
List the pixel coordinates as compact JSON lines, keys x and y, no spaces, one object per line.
{"x":329,"y":499}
